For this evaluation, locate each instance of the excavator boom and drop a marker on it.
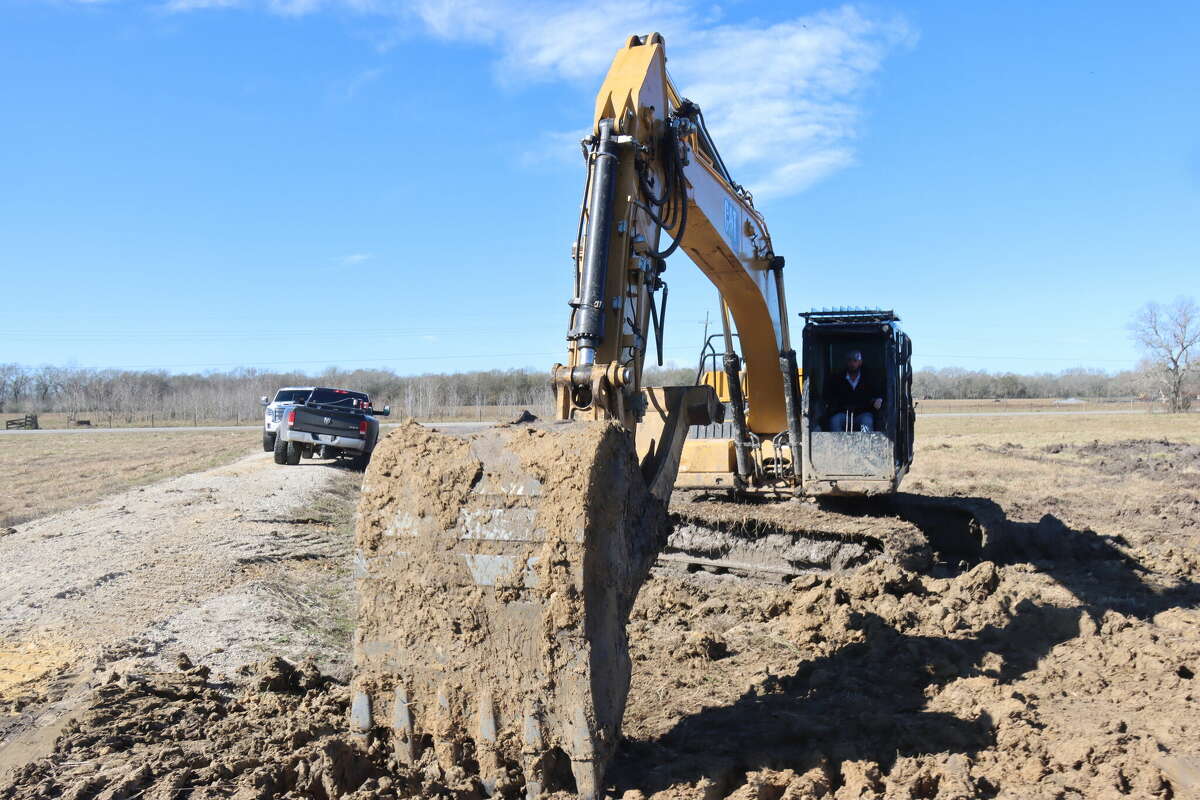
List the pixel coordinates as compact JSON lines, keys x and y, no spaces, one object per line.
{"x":654,"y":170}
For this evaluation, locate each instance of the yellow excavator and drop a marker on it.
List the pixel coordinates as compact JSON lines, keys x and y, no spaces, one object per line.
{"x":497,"y":569}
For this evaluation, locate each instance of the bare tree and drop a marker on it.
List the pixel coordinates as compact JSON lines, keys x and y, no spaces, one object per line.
{"x":1170,"y":337}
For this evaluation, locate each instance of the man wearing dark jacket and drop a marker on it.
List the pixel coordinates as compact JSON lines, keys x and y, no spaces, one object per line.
{"x":852,"y":393}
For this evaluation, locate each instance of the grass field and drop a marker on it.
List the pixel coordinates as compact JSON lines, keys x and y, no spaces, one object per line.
{"x":1035,"y":455}
{"x":45,"y":474}
{"x":102,"y":419}
{"x":1042,"y":429}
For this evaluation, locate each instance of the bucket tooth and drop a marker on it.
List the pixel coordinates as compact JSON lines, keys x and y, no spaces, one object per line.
{"x":404,"y":742}
{"x":533,"y":786}
{"x":491,"y":767}
{"x":497,"y":573}
{"x":588,"y":778}
{"x":446,"y":741}
{"x":360,"y":713}
{"x":532,"y":751}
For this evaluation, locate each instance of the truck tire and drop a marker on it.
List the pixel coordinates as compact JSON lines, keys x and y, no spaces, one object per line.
{"x":293,"y":453}
{"x":268,"y":442}
{"x":360,"y":462}
{"x":280,"y":448}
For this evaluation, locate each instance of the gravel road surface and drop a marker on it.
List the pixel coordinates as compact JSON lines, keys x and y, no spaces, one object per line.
{"x":222,"y":564}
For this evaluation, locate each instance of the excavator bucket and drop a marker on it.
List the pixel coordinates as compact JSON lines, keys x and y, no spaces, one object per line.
{"x":496,"y":572}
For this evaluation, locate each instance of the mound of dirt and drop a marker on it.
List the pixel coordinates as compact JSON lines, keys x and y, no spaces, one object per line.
{"x":1150,"y":457}
{"x":889,"y":683}
{"x":161,"y":736}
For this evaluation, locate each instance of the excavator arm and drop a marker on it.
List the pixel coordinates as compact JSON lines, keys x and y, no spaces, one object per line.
{"x":497,"y":570}
{"x":657,"y":184}
{"x":651,"y":161}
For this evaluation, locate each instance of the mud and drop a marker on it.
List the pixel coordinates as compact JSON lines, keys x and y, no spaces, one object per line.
{"x":1052,"y":655}
{"x":890,"y":683}
{"x":476,"y":554}
{"x":176,"y":734}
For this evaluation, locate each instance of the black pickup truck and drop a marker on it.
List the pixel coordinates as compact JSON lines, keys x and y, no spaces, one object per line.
{"x":331,"y":423}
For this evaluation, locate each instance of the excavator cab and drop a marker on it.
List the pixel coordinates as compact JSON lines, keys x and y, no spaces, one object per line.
{"x":856,"y":462}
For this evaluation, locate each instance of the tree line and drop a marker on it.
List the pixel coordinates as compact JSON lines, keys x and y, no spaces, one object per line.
{"x":134,"y":396}
{"x":954,"y":383}
{"x":139,"y":395}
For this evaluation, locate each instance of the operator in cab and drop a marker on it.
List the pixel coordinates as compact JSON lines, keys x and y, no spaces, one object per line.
{"x":853,"y":397}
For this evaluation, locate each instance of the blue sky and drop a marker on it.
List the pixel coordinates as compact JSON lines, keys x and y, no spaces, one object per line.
{"x":195,"y":184}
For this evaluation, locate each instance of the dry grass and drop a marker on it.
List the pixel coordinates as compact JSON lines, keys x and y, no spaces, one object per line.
{"x":43,"y":474}
{"x":329,"y":586}
{"x":1017,"y":461}
{"x":1042,"y":429}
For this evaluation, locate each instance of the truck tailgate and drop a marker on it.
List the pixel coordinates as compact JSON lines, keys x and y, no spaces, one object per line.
{"x":327,"y":423}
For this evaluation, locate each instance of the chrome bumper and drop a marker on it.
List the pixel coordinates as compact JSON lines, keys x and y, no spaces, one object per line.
{"x":323,"y":439}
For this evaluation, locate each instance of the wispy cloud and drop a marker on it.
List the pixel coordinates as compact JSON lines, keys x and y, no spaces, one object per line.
{"x":355,"y":258}
{"x":356,"y":84}
{"x":196,"y":5}
{"x":783,"y":100}
{"x":540,"y":41}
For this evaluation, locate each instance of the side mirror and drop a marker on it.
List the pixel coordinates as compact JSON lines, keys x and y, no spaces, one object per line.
{"x":263,"y":401}
{"x":387,"y":412}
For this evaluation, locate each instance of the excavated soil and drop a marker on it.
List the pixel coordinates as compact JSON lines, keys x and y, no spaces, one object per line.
{"x":509,"y":530}
{"x":1057,"y":661}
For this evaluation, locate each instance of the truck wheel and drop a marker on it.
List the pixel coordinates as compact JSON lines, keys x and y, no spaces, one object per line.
{"x":360,"y":462}
{"x":268,"y":442}
{"x":293,"y":453}
{"x":280,"y":448}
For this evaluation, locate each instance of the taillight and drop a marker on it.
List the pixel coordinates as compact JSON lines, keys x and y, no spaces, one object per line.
{"x":362,"y":428}
{"x":291,"y":417}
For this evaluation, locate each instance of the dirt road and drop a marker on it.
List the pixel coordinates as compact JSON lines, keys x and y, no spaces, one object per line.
{"x":225,"y":565}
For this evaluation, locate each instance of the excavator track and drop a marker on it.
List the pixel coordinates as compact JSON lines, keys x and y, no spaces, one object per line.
{"x":496,"y":572}
{"x":778,"y":540}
